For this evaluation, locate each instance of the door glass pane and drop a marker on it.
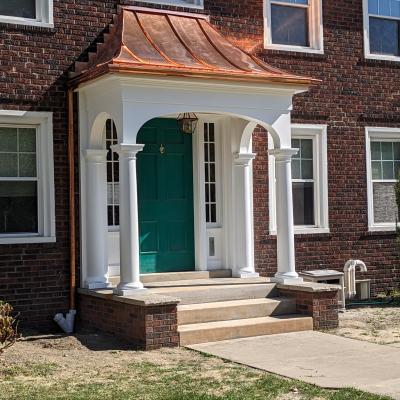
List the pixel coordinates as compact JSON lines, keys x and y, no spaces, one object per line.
{"x":289,"y":25}
{"x":303,"y":203}
{"x":384,"y":36}
{"x":18,"y":207}
{"x":18,"y":8}
{"x":8,"y":139}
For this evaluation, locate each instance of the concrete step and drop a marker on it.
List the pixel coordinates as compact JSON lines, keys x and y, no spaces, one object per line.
{"x":207,"y":282}
{"x":216,"y":293}
{"x":178,"y":276}
{"x":234,"y":309}
{"x":226,"y":330}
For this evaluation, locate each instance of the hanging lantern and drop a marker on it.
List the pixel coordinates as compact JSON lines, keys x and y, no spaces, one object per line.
{"x":187,"y":123}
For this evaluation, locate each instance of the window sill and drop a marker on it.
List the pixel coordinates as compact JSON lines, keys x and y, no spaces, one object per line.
{"x":382,"y":57}
{"x":25,"y":22}
{"x":307,"y":231}
{"x":297,"y":49}
{"x":382,"y":229}
{"x":176,"y":3}
{"x":26,"y":239}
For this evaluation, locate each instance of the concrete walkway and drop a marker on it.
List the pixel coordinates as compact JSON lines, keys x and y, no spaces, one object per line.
{"x":324,"y":360}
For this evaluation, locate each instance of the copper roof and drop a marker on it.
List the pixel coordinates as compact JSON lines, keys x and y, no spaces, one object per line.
{"x":155,"y":42}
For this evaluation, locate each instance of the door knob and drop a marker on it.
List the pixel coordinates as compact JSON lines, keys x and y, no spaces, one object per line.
{"x":162,"y":149}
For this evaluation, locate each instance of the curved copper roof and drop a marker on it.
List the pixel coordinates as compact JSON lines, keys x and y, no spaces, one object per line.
{"x":147,"y":41}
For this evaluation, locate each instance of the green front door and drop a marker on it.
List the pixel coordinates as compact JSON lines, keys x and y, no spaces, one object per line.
{"x":165,"y":194}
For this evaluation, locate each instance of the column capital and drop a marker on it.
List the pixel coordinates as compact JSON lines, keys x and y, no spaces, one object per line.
{"x":285,"y":154}
{"x":244,"y":159}
{"x":95,"y":155}
{"x":127,"y":150}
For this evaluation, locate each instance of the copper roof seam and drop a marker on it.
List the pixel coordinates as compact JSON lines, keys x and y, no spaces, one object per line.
{"x":162,"y":54}
{"x":132,"y":54}
{"x":186,"y":46}
{"x":218,"y":50}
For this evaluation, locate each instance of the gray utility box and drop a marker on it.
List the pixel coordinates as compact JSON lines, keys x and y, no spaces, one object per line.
{"x":328,"y":276}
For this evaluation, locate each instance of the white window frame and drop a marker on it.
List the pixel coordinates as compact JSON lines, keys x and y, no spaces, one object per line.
{"x":43,"y":121}
{"x":199,"y":4}
{"x":381,"y":134}
{"x":44,"y":16}
{"x":315,"y":29}
{"x":318,"y":133}
{"x":367,"y":49}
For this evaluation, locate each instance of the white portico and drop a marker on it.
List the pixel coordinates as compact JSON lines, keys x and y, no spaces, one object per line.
{"x":231,"y":92}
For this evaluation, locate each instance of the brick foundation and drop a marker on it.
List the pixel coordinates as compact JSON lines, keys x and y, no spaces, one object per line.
{"x":322,"y":305}
{"x":146,"y":327}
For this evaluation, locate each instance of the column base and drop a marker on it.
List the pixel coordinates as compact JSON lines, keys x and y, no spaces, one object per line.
{"x":287,"y":279}
{"x":97,"y":285}
{"x":244,"y":275}
{"x":126,"y":289}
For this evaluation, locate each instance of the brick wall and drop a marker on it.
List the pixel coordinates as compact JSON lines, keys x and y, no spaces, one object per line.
{"x":321,"y":306}
{"x":146,"y":328}
{"x":355,"y":92}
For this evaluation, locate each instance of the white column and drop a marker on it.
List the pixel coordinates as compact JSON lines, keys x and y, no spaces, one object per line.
{"x":129,"y":220}
{"x":284,"y":217}
{"x":244,"y":216}
{"x":96,"y":219}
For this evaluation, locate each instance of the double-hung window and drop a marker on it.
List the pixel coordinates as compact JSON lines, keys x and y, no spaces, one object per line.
{"x":26,"y":178}
{"x":294,"y":25}
{"x":27,"y":12}
{"x":382,"y":28}
{"x":309,"y":181}
{"x":383,"y":168}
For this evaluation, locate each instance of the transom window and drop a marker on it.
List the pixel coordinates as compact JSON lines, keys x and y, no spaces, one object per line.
{"x":27,"y":12}
{"x":112,"y":175}
{"x":210,"y":173}
{"x":383,"y":27}
{"x":303,"y":182}
{"x":18,"y":180}
{"x":294,"y":25}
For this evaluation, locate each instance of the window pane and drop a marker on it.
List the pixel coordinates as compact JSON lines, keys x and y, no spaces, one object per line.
{"x":307,"y":148}
{"x":376,"y":170}
{"x":385,"y":209}
{"x":18,"y":207}
{"x":296,"y":174}
{"x":307,"y":169}
{"x":375,"y":150}
{"x":8,"y":139}
{"x":8,"y":165}
{"x":303,"y":203}
{"x":373,"y":6}
{"x":27,"y":139}
{"x":387,"y":170}
{"x":396,"y":170}
{"x":289,"y":25}
{"x":387,"y":150}
{"x":27,"y":165}
{"x":18,"y":8}
{"x":296,"y":145}
{"x":388,"y":8}
{"x":383,"y":36}
{"x":396,"y":150}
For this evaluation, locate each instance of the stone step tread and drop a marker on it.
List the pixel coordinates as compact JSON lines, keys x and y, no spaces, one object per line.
{"x":208,"y":288}
{"x":207,"y":282}
{"x":186,"y":275}
{"x":243,"y":322}
{"x":231,"y":303}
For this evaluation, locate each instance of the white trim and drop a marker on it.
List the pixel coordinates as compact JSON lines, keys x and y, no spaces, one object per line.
{"x":45,"y":169}
{"x":383,"y":134}
{"x":319,"y":135}
{"x":195,"y":4}
{"x":44,"y":16}
{"x":367,"y":50}
{"x":315,"y":29}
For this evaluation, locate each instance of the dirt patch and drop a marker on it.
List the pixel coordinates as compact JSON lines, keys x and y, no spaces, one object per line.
{"x":372,"y":324}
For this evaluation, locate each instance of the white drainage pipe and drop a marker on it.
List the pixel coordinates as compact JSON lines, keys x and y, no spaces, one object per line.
{"x":66,"y":323}
{"x":350,"y":276}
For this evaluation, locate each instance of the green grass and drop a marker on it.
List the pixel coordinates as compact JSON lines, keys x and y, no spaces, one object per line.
{"x":200,"y":378}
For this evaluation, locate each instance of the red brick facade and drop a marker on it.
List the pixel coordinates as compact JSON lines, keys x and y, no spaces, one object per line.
{"x":355,"y":92}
